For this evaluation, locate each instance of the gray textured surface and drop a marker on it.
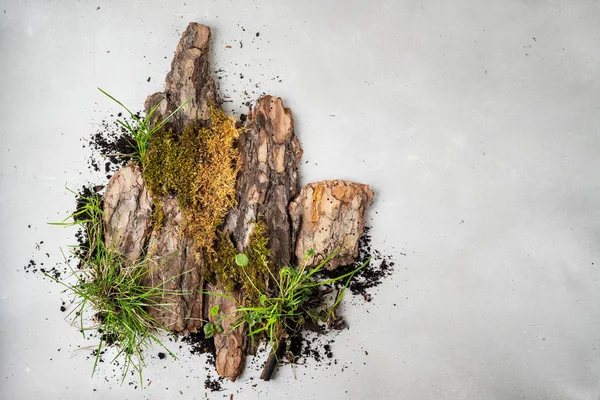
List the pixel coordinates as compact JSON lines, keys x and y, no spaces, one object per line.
{"x":475,"y":122}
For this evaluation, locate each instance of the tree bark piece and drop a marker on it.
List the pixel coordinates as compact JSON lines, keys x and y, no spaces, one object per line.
{"x":230,"y":345}
{"x":324,"y":216}
{"x":272,"y":362}
{"x":189,"y":78}
{"x":174,"y":266}
{"x":268,"y":178}
{"x":127,"y":212}
{"x":330,"y":215}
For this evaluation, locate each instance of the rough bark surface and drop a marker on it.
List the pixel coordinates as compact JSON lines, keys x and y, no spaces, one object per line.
{"x":231,"y":344}
{"x":189,"y":78}
{"x":330,"y":215}
{"x":174,"y":266}
{"x":127,"y":212}
{"x":268,"y":178}
{"x":174,"y":261}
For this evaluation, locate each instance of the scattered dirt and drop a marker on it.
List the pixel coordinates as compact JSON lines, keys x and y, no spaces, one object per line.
{"x":214,"y":384}
{"x":380,"y":267}
{"x":38,"y":264}
{"x":110,"y":145}
{"x":200,"y":345}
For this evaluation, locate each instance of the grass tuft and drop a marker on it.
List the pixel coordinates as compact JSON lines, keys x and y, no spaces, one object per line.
{"x":297,"y":298}
{"x":113,"y":290}
{"x":145,"y":128}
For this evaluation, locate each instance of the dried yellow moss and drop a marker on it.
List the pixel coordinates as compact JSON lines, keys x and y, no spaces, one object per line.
{"x":199,"y":167}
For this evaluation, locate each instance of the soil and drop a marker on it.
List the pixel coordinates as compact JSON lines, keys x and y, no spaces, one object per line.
{"x":38,"y":263}
{"x":111,"y":146}
{"x":380,"y":267}
{"x":198,"y":344}
{"x":213,"y":384}
{"x":83,"y":242}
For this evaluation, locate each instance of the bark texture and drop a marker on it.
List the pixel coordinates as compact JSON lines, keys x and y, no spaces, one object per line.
{"x":189,"y":78}
{"x":172,"y":254}
{"x":330,"y":215}
{"x":324,"y":216}
{"x":174,"y":266}
{"x":268,"y":179}
{"x":127,"y":212}
{"x":231,"y":344}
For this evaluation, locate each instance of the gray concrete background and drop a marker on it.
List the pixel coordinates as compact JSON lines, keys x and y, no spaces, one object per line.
{"x":476,"y":122}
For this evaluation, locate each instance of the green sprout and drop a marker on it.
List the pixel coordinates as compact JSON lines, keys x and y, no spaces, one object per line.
{"x":144,"y":129}
{"x":291,"y":304}
{"x":211,"y":327}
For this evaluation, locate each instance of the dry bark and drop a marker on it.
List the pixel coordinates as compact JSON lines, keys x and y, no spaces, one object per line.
{"x":268,"y":178}
{"x":174,"y":261}
{"x":127,"y":212}
{"x":127,"y":227}
{"x":230,"y":345}
{"x":173,"y":265}
{"x":189,"y":78}
{"x":330,"y":215}
{"x":267,"y":182}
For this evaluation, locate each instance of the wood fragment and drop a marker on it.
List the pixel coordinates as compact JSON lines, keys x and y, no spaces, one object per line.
{"x":330,"y":215}
{"x":127,"y":212}
{"x":174,"y":261}
{"x":323,"y":216}
{"x":189,"y":78}
{"x":175,"y":267}
{"x":230,"y":345}
{"x":268,"y":179}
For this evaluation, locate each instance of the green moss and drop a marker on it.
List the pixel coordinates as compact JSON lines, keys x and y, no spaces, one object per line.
{"x":253,"y":278}
{"x":199,"y":167}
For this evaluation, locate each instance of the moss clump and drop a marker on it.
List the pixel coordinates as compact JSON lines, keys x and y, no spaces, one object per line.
{"x":253,"y":278}
{"x":199,"y":167}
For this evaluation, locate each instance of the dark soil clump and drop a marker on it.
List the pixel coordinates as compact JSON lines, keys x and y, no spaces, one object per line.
{"x":114,"y":144}
{"x":82,"y":199}
{"x":214,"y":385}
{"x":199,"y":344}
{"x":372,"y":275}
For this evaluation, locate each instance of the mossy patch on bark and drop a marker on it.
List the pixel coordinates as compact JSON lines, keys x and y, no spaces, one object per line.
{"x":199,"y":167}
{"x":253,"y":278}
